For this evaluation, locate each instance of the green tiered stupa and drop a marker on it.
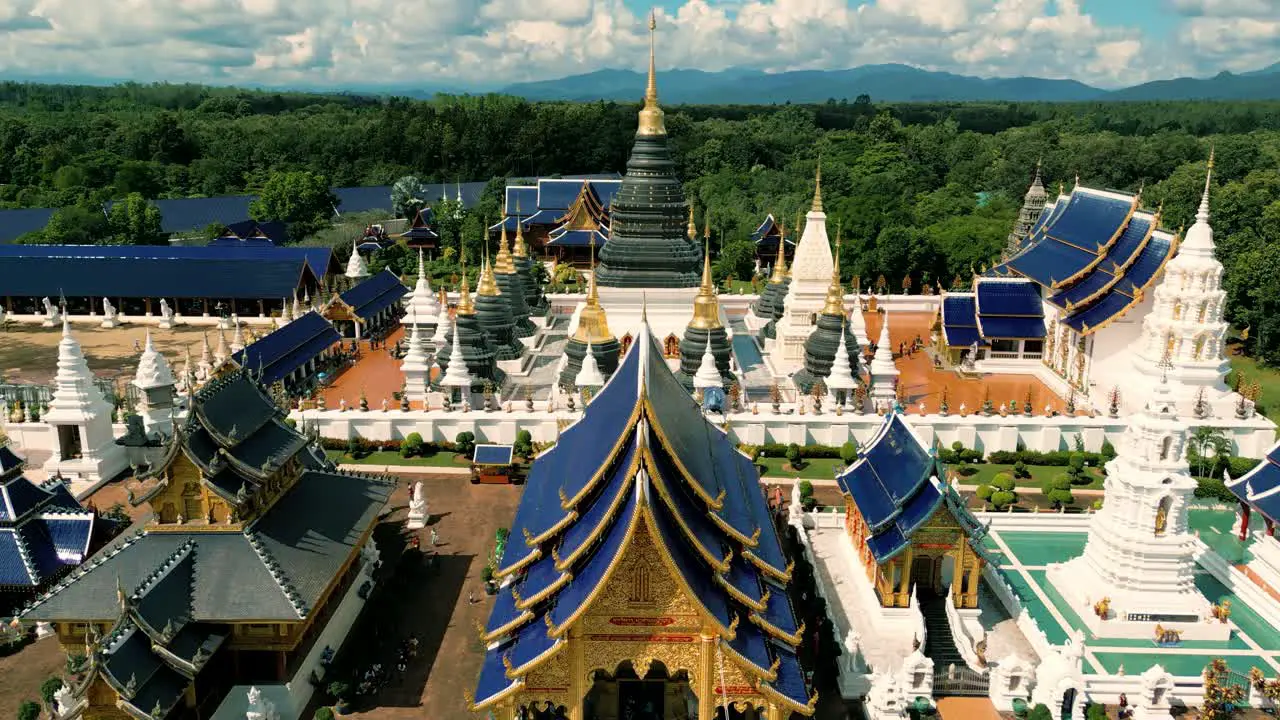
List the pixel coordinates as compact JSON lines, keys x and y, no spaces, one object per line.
{"x":647,"y":247}
{"x":534,"y":299}
{"x":494,"y":316}
{"x":511,"y":282}
{"x":770,"y":304}
{"x":593,"y":331}
{"x":703,"y":328}
{"x":820,"y":349}
{"x":477,"y":350}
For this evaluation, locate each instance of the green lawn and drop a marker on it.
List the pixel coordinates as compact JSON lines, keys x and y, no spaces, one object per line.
{"x":1040,"y":475}
{"x":814,"y":468}
{"x":1268,"y":378}
{"x":390,"y":457}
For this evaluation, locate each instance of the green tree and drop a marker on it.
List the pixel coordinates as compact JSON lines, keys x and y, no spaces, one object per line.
{"x":793,"y":456}
{"x":849,"y":452}
{"x":408,"y":196}
{"x":736,"y":260}
{"x":81,"y":224}
{"x":134,"y":221}
{"x":465,"y":443}
{"x":524,"y":444}
{"x":984,"y":492}
{"x":1002,"y":499}
{"x":134,"y":176}
{"x":412,"y":445}
{"x":1040,"y":712}
{"x":29,"y":710}
{"x":1206,"y":443}
{"x":300,"y":198}
{"x":1059,"y":491}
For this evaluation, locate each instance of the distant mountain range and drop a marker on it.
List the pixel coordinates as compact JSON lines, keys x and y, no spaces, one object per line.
{"x":884,"y":83}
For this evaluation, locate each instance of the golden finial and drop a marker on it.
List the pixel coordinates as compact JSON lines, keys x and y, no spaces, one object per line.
{"x":593,"y":323}
{"x":651,"y":120}
{"x":835,"y":292}
{"x":465,"y":306}
{"x":780,"y":265}
{"x":693,"y":229}
{"x":520,"y":250}
{"x":706,"y":309}
{"x":817,"y":188}
{"x":488,"y":285}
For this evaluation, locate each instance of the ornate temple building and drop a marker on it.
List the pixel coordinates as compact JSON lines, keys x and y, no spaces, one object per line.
{"x":1259,"y":489}
{"x":513,"y":285}
{"x":705,"y":330}
{"x":1138,"y":569}
{"x":1032,"y":206}
{"x":369,"y":308}
{"x":908,"y":529}
{"x":559,"y":216}
{"x":254,"y":540}
{"x":644,"y":575}
{"x":493,"y":315}
{"x":534,"y":297}
{"x":770,"y":240}
{"x":44,"y":532}
{"x":422,"y":235}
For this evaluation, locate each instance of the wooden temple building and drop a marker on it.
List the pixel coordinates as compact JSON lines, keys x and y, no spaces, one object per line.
{"x":908,"y":529}
{"x":560,"y":218}
{"x":644,"y":577}
{"x":371,"y":308}
{"x":254,"y":540}
{"x":422,"y":233}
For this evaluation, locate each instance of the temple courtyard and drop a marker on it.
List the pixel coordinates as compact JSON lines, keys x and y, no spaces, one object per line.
{"x":28,"y":352}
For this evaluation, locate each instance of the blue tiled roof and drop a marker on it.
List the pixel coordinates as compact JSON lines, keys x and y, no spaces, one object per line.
{"x":70,"y":535}
{"x":1011,"y":328}
{"x":180,"y":215}
{"x":19,"y":496}
{"x":1260,"y":487}
{"x":578,"y":238}
{"x":471,"y":192}
{"x":890,"y":485}
{"x":374,"y":294}
{"x":790,"y":683}
{"x":1127,"y":290}
{"x":642,"y":452}
{"x":521,"y":199}
{"x":16,"y":223}
{"x":1078,"y":232}
{"x":960,"y":320}
{"x":1113,"y":266}
{"x":493,"y":683}
{"x":288,"y":348}
{"x":1008,"y":297}
{"x":558,"y":194}
{"x":137,"y":277}
{"x":319,"y":258}
{"x":364,"y":199}
{"x":273,"y":230}
{"x":13,"y":572}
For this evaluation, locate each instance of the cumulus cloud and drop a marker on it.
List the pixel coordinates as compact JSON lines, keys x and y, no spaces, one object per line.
{"x":485,"y":43}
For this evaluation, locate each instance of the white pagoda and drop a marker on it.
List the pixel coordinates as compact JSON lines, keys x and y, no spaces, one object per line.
{"x":156,"y":389}
{"x":422,"y":306}
{"x":356,"y":268}
{"x":415,"y":366}
{"x":84,"y":447}
{"x":884,"y":373}
{"x":1137,"y":572}
{"x":810,"y":277}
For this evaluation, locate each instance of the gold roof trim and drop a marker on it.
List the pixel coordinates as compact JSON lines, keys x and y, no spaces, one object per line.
{"x":700,"y":491}
{"x":718,"y":564}
{"x":563,"y":563}
{"x":633,"y":522}
{"x":784,"y":576}
{"x":1100,"y":251}
{"x":651,"y":116}
{"x":550,"y":532}
{"x":786,"y":702}
{"x":776,"y":632}
{"x":488,"y":637}
{"x":1117,"y":271}
{"x":489,"y":702}
{"x":742,"y":597}
{"x":604,"y":467}
{"x":526,"y":603}
{"x":534,"y":662}
{"x":729,"y":632}
{"x":521,"y":563}
{"x":769,"y":673}
{"x":1138,"y":295}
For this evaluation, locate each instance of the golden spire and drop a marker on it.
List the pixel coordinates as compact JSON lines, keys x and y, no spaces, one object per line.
{"x":593,"y":324}
{"x":488,"y":285}
{"x":706,"y":309}
{"x":835,"y":291}
{"x":465,"y":306}
{"x":521,"y":250}
{"x":693,"y":229}
{"x":651,"y":121}
{"x":780,"y":265}
{"x":817,"y":189}
{"x":503,"y":264}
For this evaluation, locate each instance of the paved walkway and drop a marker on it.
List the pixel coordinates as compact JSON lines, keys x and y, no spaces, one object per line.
{"x":961,"y":708}
{"x":376,"y":374}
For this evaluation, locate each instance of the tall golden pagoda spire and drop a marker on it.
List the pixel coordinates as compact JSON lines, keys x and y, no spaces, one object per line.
{"x":693,"y":228}
{"x":503,"y":264}
{"x":651,"y":116}
{"x":488,"y":285}
{"x":706,"y":308}
{"x":835,"y":292}
{"x":593,"y":324}
{"x":520,"y":250}
{"x":465,"y":305}
{"x":780,"y":265}
{"x":817,"y":189}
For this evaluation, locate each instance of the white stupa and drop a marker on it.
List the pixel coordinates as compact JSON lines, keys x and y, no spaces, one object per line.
{"x":286,"y":310}
{"x":416,"y":369}
{"x":443,"y":324}
{"x":298,"y":309}
{"x":421,"y":302}
{"x":708,"y":376}
{"x":457,"y":375}
{"x":156,"y":386}
{"x":84,"y":447}
{"x":884,"y":373}
{"x":237,"y":339}
{"x":356,"y":269}
{"x":811,"y":272}
{"x":1140,"y":555}
{"x":1186,"y":325}
{"x":841,"y":379}
{"x":204,"y":369}
{"x":589,"y":375}
{"x":221,"y":352}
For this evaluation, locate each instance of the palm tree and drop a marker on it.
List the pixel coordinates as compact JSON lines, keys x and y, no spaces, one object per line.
{"x":408,"y":195}
{"x":1208,"y":442}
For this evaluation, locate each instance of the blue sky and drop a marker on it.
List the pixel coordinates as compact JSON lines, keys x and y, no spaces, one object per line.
{"x":482,"y":44}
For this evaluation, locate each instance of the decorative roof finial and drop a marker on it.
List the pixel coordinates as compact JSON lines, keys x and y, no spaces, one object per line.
{"x":651,"y":121}
{"x":465,"y":306}
{"x":693,"y":228}
{"x":817,"y":188}
{"x":1202,"y":214}
{"x":780,"y":265}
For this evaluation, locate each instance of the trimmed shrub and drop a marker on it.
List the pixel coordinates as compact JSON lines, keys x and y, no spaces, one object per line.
{"x":1108,"y":452}
{"x":984,"y":492}
{"x":793,"y":456}
{"x":48,"y":688}
{"x":806,"y":489}
{"x":465,"y":442}
{"x":1212,"y":488}
{"x":523,"y":445}
{"x":323,"y":713}
{"x":1003,"y":499}
{"x":1020,"y":470}
{"x":1003,"y":481}
{"x":412,"y":445}
{"x":849,"y":452}
{"x":29,"y":710}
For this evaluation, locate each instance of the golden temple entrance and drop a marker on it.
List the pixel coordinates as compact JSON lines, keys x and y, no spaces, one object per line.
{"x":624,"y":695}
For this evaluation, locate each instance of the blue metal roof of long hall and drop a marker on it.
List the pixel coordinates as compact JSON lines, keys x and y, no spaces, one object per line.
{"x":16,"y":223}
{"x":1073,"y":239}
{"x":173,"y":276}
{"x":631,"y":460}
{"x":288,"y":348}
{"x":320,"y":259}
{"x":374,"y":294}
{"x":893,"y":485}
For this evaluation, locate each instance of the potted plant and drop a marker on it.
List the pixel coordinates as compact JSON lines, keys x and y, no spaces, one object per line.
{"x":339,"y":690}
{"x":490,"y":588}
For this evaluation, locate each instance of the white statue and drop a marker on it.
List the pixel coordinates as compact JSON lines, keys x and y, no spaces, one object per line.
{"x":63,"y":701}
{"x":166,"y":315}
{"x":417,"y":507}
{"x":108,"y":313}
{"x":260,"y":708}
{"x":51,"y":315}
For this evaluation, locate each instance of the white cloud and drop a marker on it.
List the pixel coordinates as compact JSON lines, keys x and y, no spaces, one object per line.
{"x":490,"y":42}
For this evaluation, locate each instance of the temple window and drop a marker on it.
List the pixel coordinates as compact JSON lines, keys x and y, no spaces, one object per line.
{"x":1204,"y":310}
{"x":641,"y":591}
{"x":1166,"y":446}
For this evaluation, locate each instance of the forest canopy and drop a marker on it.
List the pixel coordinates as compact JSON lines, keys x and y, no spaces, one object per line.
{"x":928,"y":191}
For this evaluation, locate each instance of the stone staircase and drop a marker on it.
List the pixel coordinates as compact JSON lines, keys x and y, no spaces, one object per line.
{"x":940,"y":645}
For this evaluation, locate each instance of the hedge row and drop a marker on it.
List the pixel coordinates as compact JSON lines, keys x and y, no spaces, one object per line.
{"x":779,"y":450}
{"x":1053,"y":457}
{"x":368,"y":446}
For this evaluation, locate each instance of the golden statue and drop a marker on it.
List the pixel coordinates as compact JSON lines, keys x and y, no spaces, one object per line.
{"x":1102,"y":608}
{"x":1162,"y":518}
